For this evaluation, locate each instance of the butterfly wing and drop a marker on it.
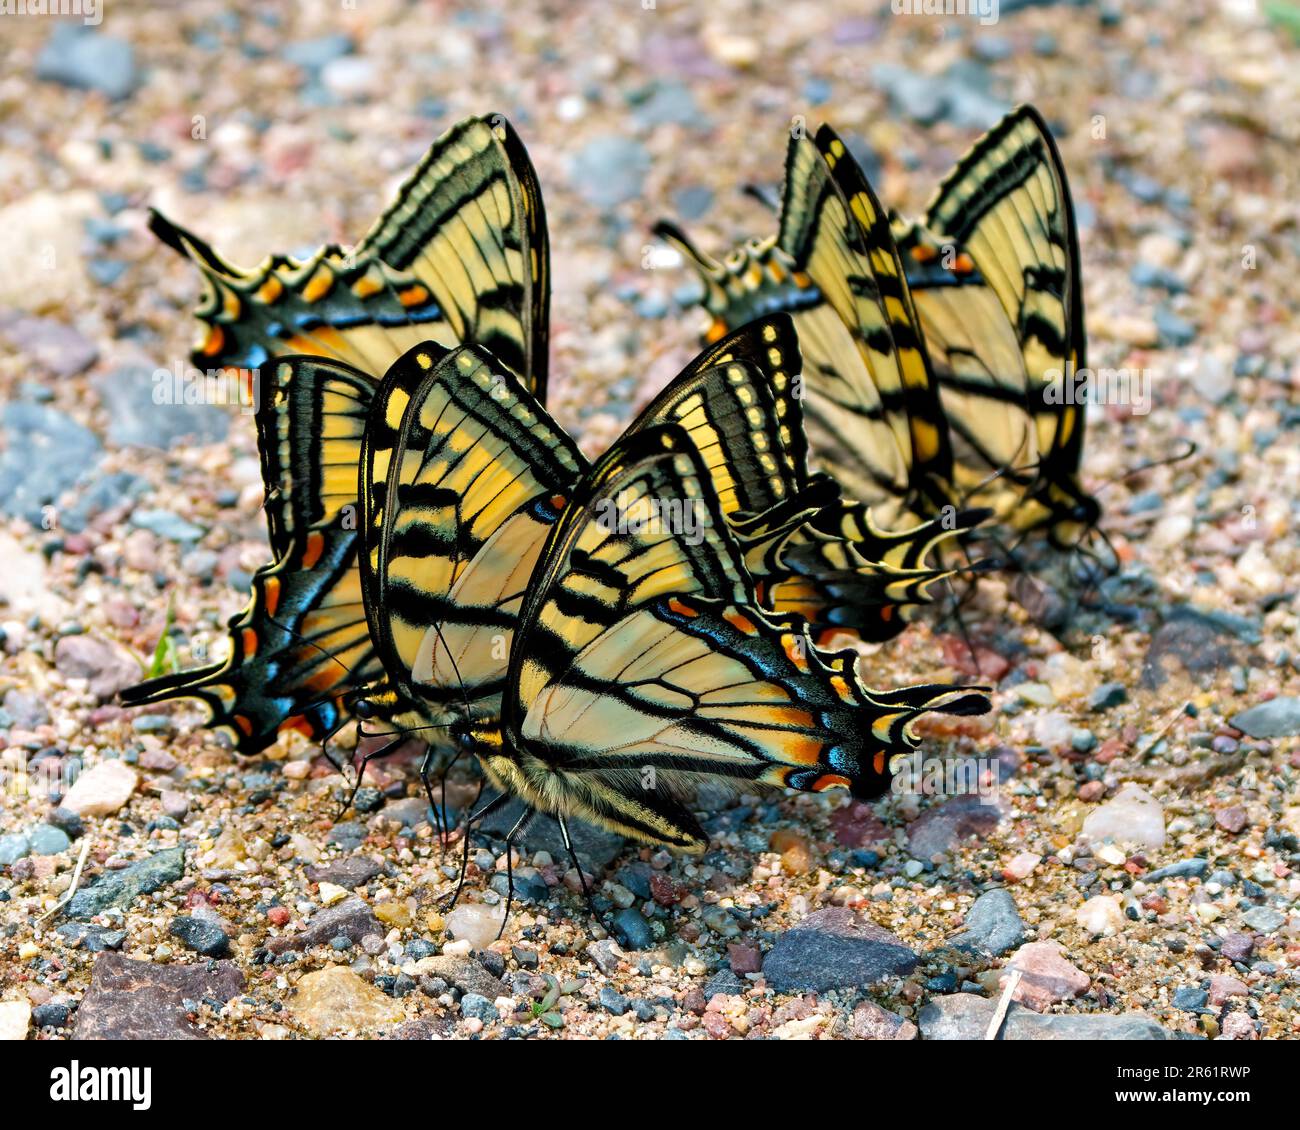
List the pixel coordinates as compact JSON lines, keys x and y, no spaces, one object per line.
{"x":641,"y":661}
{"x":302,"y":644}
{"x":1006,"y":205}
{"x":461,"y":255}
{"x":463,"y":474}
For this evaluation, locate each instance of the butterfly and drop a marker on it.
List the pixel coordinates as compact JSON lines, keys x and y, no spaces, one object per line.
{"x":870,"y":403}
{"x":994,"y":269}
{"x":461,"y":254}
{"x":973,"y":377}
{"x":740,"y":402}
{"x":642,"y":664}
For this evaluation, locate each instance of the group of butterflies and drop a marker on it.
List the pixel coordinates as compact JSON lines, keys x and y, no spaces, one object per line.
{"x":448,"y":565}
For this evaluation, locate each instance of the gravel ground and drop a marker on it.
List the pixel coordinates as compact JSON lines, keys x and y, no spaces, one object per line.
{"x":1137,"y":864}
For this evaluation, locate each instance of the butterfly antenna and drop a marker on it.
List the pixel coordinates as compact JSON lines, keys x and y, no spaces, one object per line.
{"x":764,"y":195}
{"x":1167,"y":461}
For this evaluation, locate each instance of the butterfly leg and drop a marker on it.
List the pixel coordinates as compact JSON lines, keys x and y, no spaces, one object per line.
{"x":439,"y":816}
{"x":361,"y":772}
{"x":573,"y":858}
{"x":491,"y":806}
{"x":521,"y":825}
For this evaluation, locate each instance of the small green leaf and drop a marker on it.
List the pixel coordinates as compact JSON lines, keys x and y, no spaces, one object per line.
{"x":165,"y":660}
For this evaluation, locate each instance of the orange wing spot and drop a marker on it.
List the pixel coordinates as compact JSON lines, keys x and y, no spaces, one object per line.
{"x":318,"y":286}
{"x":923,"y":254}
{"x":963,"y":264}
{"x":413,"y":296}
{"x":270,"y":291}
{"x":214,"y":341}
{"x":740,"y":622}
{"x":878,"y":762}
{"x":248,"y":640}
{"x":679,"y":609}
{"x":243,"y":724}
{"x":298,"y":723}
{"x":366,"y":287}
{"x":841,"y":685}
{"x":558,"y":502}
{"x":830,"y":781}
{"x":802,"y":280}
{"x":776,"y":271}
{"x":760,"y":591}
{"x":886,"y":612}
{"x":794,"y":651}
{"x":315,"y":547}
{"x":801,"y":749}
{"x":272,"y":593}
{"x":716,"y":332}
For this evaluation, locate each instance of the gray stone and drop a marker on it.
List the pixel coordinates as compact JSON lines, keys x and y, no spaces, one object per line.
{"x":201,"y":936}
{"x":13,"y":847}
{"x":613,"y":1002}
{"x":726,"y":983}
{"x":993,"y":925}
{"x":632,"y":929}
{"x":122,"y":888}
{"x":46,"y":453}
{"x":166,"y":525}
{"x":1264,"y":919}
{"x":1190,"y":999}
{"x":57,"y":349}
{"x":1107,"y":695}
{"x":46,"y":839}
{"x":137,"y":419}
{"x":610,"y":170}
{"x":964,"y":1016}
{"x":350,"y":918}
{"x":465,"y":975}
{"x":1183,"y":869}
{"x":833,"y":949}
{"x":350,"y":872}
{"x":1277,"y":718}
{"x":79,"y":56}
{"x":479,"y":1007}
{"x":938,"y":830}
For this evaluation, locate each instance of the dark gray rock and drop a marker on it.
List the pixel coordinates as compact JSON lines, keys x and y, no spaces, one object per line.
{"x":941,"y":828}
{"x":1277,"y":718}
{"x":350,"y":872}
{"x":79,"y":56}
{"x":131,"y":395}
{"x":465,"y":975}
{"x":1107,"y":695}
{"x":93,"y":939}
{"x":613,"y":1001}
{"x":1264,"y":919}
{"x":142,"y":1000}
{"x":479,"y":1007}
{"x":993,"y":925}
{"x":610,"y":170}
{"x":1190,"y":999}
{"x":122,"y":888}
{"x":51,"y":1015}
{"x":726,"y":983}
{"x":45,"y":453}
{"x":964,"y":1016}
{"x":834,"y":949}
{"x":201,"y":936}
{"x":632,"y":929}
{"x":351,"y":918}
{"x":103,"y":493}
{"x":1183,"y":869}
